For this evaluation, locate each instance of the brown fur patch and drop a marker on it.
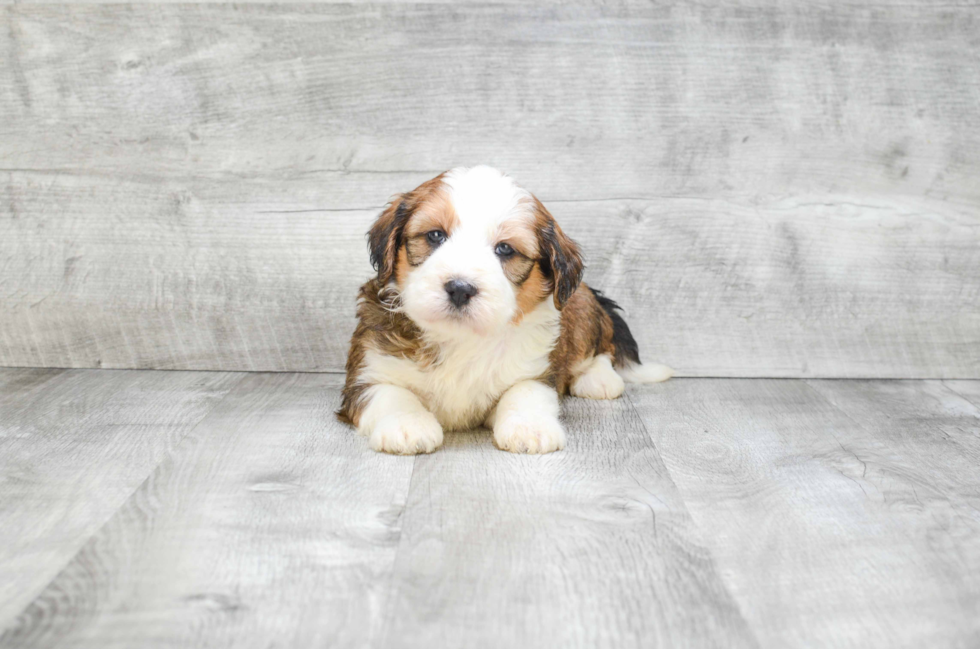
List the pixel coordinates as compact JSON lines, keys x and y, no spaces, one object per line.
{"x":523,"y":268}
{"x":586,"y":331}
{"x":521,"y":234}
{"x":534,"y":290}
{"x":417,"y":249}
{"x":384,"y":237}
{"x":560,"y":257}
{"x":555,"y":263}
{"x":402,"y":266}
{"x":387,"y":236}
{"x":381,"y":330}
{"x":517,"y":268}
{"x":432,"y":210}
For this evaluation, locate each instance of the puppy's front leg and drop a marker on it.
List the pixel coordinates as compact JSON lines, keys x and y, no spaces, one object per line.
{"x":395,"y":421}
{"x":526,"y":419}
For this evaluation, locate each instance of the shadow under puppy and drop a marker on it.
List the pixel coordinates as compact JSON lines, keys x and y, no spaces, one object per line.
{"x":478,"y":316}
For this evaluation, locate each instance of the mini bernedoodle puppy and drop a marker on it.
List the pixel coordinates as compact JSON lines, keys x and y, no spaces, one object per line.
{"x":478,"y":316}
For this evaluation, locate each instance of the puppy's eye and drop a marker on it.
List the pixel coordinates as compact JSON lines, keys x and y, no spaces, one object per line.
{"x":503,"y":250}
{"x":436,"y":237}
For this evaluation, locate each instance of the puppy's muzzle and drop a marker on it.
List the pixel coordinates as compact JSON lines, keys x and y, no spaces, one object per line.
{"x":460,"y":292}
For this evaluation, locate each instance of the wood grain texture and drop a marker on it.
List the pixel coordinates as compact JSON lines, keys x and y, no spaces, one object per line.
{"x":712,"y":287}
{"x":590,"y":547}
{"x":272,"y":524}
{"x":943,"y":423}
{"x":753,"y":4}
{"x":74,"y":445}
{"x":969,"y":390}
{"x":770,"y":190}
{"x":841,"y":514}
{"x":695,"y":513}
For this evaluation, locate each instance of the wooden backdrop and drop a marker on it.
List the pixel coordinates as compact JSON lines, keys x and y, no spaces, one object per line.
{"x":771,"y":189}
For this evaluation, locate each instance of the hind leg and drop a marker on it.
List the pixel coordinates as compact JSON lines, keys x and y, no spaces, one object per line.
{"x":598,"y":380}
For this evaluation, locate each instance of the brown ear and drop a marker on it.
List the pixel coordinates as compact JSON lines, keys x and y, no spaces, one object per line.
{"x":560,"y":258}
{"x":384,"y":237}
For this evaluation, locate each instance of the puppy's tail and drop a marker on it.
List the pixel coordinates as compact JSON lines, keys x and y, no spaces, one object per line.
{"x":652,"y":373}
{"x":628,"y":364}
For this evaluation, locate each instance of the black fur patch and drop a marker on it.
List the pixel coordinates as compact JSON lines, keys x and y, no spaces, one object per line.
{"x":626,"y":347}
{"x":565,"y":270}
{"x":383,"y":249}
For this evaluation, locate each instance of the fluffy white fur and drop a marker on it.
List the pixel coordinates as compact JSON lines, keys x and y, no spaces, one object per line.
{"x":526,"y":419}
{"x":598,"y":380}
{"x":472,"y":373}
{"x":645,"y":373}
{"x":484,"y":199}
{"x":395,"y":421}
{"x":486,"y":364}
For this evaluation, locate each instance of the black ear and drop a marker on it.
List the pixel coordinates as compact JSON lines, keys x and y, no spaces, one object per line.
{"x":384,"y":237}
{"x":561,"y":257}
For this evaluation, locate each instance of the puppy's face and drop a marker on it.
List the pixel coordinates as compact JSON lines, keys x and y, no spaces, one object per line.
{"x":470,"y":249}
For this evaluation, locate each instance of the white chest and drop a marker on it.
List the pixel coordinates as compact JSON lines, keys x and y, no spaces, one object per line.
{"x":462,"y":387}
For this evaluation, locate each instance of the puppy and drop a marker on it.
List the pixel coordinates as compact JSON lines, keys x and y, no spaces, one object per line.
{"x":478,"y":316}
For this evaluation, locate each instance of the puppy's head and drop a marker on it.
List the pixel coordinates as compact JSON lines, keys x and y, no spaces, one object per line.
{"x":470,"y":249}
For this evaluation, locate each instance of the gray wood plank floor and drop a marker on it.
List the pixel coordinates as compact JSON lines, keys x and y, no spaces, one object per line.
{"x":73,"y":447}
{"x":185,"y":509}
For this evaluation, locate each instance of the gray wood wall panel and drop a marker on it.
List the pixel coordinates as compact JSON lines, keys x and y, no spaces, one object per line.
{"x":74,"y":445}
{"x":785,"y":190}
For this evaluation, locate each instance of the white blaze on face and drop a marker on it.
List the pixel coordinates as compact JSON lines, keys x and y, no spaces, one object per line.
{"x":483,"y":199}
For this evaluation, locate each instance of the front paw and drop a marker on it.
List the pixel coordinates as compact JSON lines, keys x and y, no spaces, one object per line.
{"x":598,"y":382}
{"x":529,"y":433}
{"x":407,"y":434}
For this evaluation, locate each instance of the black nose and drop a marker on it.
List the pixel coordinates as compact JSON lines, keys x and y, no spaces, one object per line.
{"x":459,"y":292}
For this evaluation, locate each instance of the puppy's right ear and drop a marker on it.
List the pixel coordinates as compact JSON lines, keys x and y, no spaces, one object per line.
{"x":384,"y":237}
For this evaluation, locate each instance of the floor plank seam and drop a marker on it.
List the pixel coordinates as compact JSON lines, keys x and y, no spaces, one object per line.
{"x":56,"y":371}
{"x":389,"y":589}
{"x":966,"y":398}
{"x":8,"y":625}
{"x":735,"y":601}
{"x":865,"y":427}
{"x":785,"y":447}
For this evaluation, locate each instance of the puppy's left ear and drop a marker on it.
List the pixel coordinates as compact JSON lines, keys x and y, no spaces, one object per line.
{"x":384,"y":237}
{"x":560,"y":256}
